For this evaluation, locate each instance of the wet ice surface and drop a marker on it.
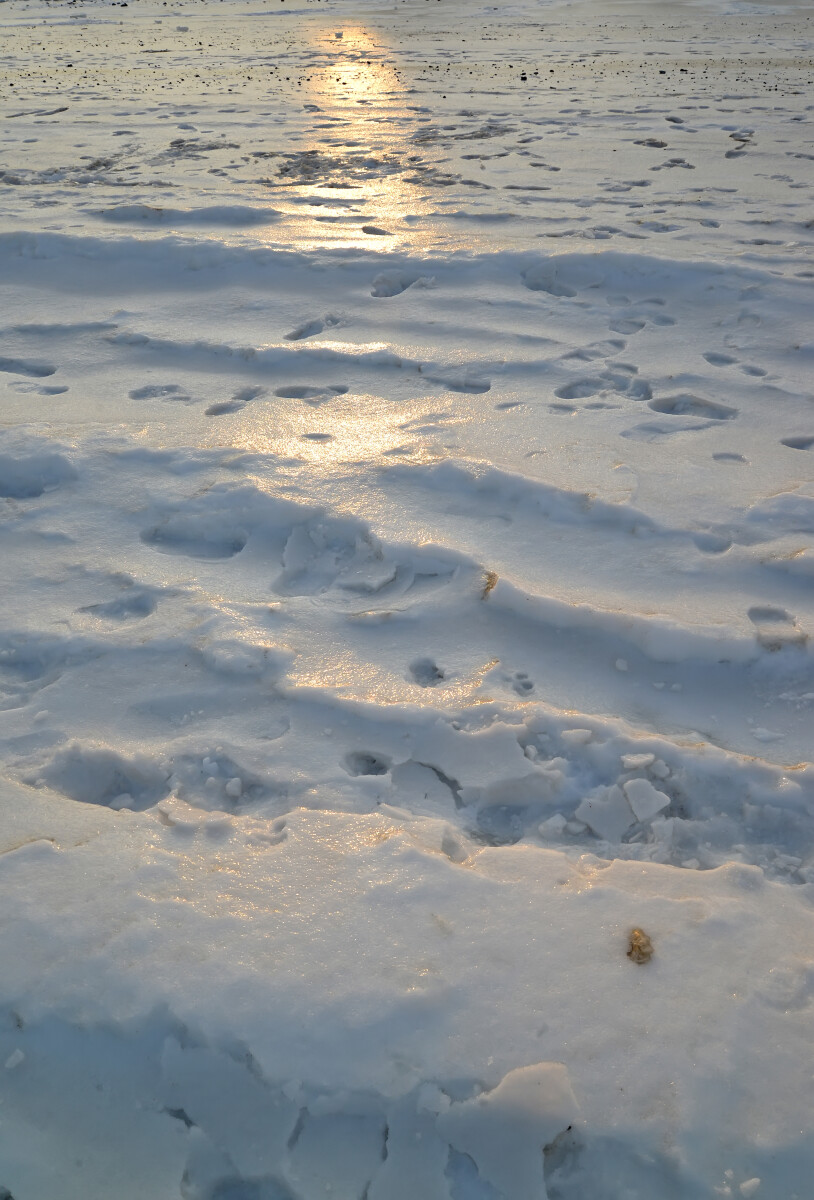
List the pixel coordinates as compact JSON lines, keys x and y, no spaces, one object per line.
{"x":407,"y":510}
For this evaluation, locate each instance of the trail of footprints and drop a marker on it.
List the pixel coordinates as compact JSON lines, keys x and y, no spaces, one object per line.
{"x":606,"y":388}
{"x":334,"y":561}
{"x":617,"y":379}
{"x":622,"y":379}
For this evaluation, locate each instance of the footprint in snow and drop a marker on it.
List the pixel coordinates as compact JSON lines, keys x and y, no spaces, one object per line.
{"x":626,"y":325}
{"x":311,"y":328}
{"x":312,"y":395}
{"x":161,"y":391}
{"x":519,"y":681}
{"x":653,"y":431}
{"x":425,"y":672}
{"x":99,"y":775}
{"x":634,"y":322}
{"x":618,"y":377}
{"x":28,"y":476}
{"x":639,"y":389}
{"x":710,"y":542}
{"x":521,"y":684}
{"x":578,"y":389}
{"x":238,"y":401}
{"x":19,"y":366}
{"x":715,"y":359}
{"x":25,"y":669}
{"x":196,"y":535}
{"x":462,"y":383}
{"x":36,"y":389}
{"x":775,"y":627}
{"x":685,"y":404}
{"x":362,"y":762}
{"x":749,"y":320}
{"x":798,"y":443}
{"x":132,"y":606}
{"x":596,"y":350}
{"x":393,"y":283}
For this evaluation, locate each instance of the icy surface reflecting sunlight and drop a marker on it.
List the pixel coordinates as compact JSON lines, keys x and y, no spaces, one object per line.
{"x":357,"y":167}
{"x":407,"y":533}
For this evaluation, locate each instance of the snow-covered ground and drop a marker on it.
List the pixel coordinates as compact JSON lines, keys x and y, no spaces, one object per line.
{"x":407,"y":497}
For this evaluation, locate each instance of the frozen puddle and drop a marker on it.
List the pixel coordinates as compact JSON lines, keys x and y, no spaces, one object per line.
{"x":406,"y":682}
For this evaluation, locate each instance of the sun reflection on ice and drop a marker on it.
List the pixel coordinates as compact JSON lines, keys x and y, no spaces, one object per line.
{"x":361,"y":70}
{"x":357,"y":172}
{"x":345,"y":429}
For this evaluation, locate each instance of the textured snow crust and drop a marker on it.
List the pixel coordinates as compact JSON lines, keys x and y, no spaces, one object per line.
{"x":406,"y":527}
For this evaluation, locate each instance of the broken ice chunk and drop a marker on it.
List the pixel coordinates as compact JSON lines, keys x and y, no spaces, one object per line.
{"x":607,"y":812}
{"x":416,"y":1157}
{"x":636,"y":762}
{"x":576,"y":737}
{"x":504,"y":1130}
{"x":644,"y":799}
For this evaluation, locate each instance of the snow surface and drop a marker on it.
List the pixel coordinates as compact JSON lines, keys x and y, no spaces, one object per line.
{"x":407,"y":541}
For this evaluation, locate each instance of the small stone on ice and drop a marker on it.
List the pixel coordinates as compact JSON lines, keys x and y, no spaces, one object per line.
{"x":644,"y":799}
{"x":14,"y":1059}
{"x":234,"y":787}
{"x":640,"y":947}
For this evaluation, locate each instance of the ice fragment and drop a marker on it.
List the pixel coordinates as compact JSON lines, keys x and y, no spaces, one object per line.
{"x":607,"y":812}
{"x":644,"y":799}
